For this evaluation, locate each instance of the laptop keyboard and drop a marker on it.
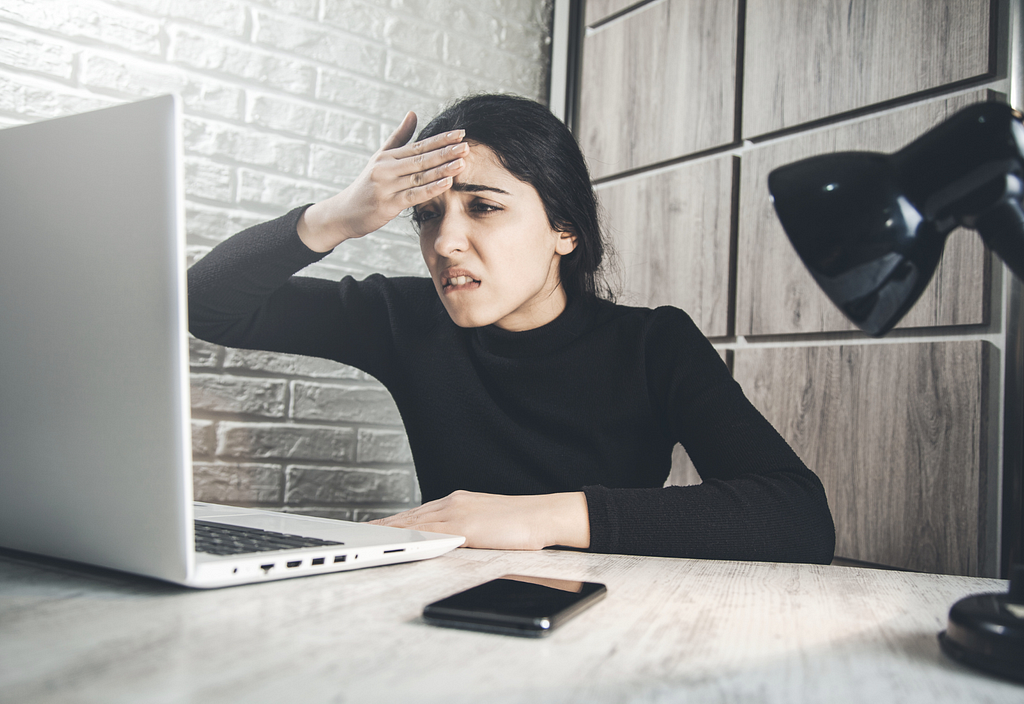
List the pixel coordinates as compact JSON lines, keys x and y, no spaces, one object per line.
{"x":221,"y":539}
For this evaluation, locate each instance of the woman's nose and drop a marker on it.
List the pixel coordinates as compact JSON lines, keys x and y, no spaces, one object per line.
{"x":452,"y":235}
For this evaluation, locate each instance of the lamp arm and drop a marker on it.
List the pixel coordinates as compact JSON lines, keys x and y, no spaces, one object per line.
{"x":1002,"y":227}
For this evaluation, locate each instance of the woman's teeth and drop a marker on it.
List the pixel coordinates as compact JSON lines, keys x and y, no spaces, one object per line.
{"x":459,"y":280}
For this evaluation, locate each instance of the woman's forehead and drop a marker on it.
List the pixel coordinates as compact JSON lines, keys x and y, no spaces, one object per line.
{"x":483,"y":168}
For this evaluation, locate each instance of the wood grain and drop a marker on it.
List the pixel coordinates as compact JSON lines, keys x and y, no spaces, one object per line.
{"x":854,"y":53}
{"x":671,"y":237}
{"x":775,"y":293}
{"x":668,"y":631}
{"x":897,"y":434}
{"x":597,"y":10}
{"x":658,"y":84}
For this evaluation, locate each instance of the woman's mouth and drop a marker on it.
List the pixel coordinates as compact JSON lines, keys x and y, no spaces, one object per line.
{"x":458,"y":281}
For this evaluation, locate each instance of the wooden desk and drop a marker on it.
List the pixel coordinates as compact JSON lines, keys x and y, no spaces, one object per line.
{"x":669,"y":631}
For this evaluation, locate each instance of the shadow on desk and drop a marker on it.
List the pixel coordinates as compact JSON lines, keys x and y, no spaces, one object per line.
{"x":40,"y":575}
{"x":847,"y":562}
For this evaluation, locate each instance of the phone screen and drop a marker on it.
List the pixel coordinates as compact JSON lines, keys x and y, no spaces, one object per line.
{"x":515,"y":605}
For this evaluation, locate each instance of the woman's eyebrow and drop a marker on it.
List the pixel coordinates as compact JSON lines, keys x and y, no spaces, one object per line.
{"x":476,"y":188}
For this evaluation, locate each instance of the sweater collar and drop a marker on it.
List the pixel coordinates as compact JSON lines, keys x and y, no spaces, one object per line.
{"x":569,"y":325}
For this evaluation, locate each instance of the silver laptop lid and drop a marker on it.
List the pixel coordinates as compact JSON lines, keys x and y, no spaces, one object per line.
{"x":95,"y":447}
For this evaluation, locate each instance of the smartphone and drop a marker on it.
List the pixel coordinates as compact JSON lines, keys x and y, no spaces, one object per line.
{"x":515,"y":605}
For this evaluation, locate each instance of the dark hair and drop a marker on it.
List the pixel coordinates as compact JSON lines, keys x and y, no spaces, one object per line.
{"x":538,"y":149}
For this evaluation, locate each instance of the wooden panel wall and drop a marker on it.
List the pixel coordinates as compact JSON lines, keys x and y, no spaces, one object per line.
{"x":898,"y":432}
{"x":840,"y":55}
{"x":658,"y":84}
{"x":672,"y":239}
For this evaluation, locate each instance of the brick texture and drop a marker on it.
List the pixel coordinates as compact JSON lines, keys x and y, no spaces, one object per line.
{"x":284,"y":100}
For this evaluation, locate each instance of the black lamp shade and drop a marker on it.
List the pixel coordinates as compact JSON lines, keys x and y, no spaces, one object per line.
{"x":871,"y":227}
{"x":865,"y":244}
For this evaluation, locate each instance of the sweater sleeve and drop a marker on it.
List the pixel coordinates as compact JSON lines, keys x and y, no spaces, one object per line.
{"x":244,"y":294}
{"x":757,"y":500}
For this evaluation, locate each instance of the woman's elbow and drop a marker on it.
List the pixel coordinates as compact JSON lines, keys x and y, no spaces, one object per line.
{"x":821,"y":549}
{"x":820,"y":531}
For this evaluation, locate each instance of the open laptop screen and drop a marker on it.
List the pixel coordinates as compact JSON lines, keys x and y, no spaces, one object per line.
{"x":94,"y":416}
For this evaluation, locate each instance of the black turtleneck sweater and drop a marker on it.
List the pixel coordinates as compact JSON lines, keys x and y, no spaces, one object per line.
{"x":593,"y":401}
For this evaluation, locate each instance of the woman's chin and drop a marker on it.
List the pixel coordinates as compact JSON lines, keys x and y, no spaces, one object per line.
{"x":465,"y":317}
{"x":465,"y":321}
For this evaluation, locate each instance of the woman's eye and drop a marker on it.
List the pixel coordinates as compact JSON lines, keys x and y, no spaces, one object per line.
{"x":422,"y":216}
{"x":480,"y":207}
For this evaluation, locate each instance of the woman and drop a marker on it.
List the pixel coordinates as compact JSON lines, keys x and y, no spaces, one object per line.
{"x":538,"y":413}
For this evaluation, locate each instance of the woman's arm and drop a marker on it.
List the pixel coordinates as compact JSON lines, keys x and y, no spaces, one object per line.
{"x":780,"y":516}
{"x":758,"y":500}
{"x":243,"y":293}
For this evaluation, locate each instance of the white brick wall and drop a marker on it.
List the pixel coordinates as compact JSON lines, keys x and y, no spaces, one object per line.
{"x":284,"y":101}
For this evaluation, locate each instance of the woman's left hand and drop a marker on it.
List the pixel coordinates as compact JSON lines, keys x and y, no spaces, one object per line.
{"x":501,"y":522}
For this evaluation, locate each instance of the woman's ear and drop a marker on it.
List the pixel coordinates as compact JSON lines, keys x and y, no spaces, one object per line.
{"x":566,"y":242}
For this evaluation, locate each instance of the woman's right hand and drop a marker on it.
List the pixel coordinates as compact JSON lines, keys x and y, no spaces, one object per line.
{"x":399,"y":176}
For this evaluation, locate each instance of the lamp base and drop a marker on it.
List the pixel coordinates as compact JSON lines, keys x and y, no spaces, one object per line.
{"x":986,"y":631}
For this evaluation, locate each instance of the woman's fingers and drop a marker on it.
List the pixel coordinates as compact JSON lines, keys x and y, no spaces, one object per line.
{"x":394,"y":175}
{"x":418,"y":164}
{"x":416,"y":172}
{"x":430,"y":144}
{"x":413,"y":516}
{"x":421,"y":186}
{"x":398,"y":158}
{"x":422,"y":156}
{"x":430,"y":174}
{"x":411,"y":197}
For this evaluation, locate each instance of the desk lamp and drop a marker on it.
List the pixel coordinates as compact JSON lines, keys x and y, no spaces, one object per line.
{"x":871,"y":227}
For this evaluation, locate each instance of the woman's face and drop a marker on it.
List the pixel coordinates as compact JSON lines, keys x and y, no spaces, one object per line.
{"x":490,"y":249}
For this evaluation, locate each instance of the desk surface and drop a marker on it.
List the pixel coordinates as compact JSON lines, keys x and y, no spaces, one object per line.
{"x":669,"y":630}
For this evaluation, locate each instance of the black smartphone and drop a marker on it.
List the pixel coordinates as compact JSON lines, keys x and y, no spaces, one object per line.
{"x":515,"y":605}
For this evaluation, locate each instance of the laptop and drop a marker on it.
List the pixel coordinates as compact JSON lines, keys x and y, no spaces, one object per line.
{"x":95,"y":442}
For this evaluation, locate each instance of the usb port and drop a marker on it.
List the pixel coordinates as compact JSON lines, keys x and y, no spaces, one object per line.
{"x":317,"y":561}
{"x":339,"y":558}
{"x":295,"y":563}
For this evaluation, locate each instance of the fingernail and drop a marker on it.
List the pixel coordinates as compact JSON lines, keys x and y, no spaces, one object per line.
{"x":456,"y":164}
{"x":460,"y":148}
{"x":456,"y":134}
